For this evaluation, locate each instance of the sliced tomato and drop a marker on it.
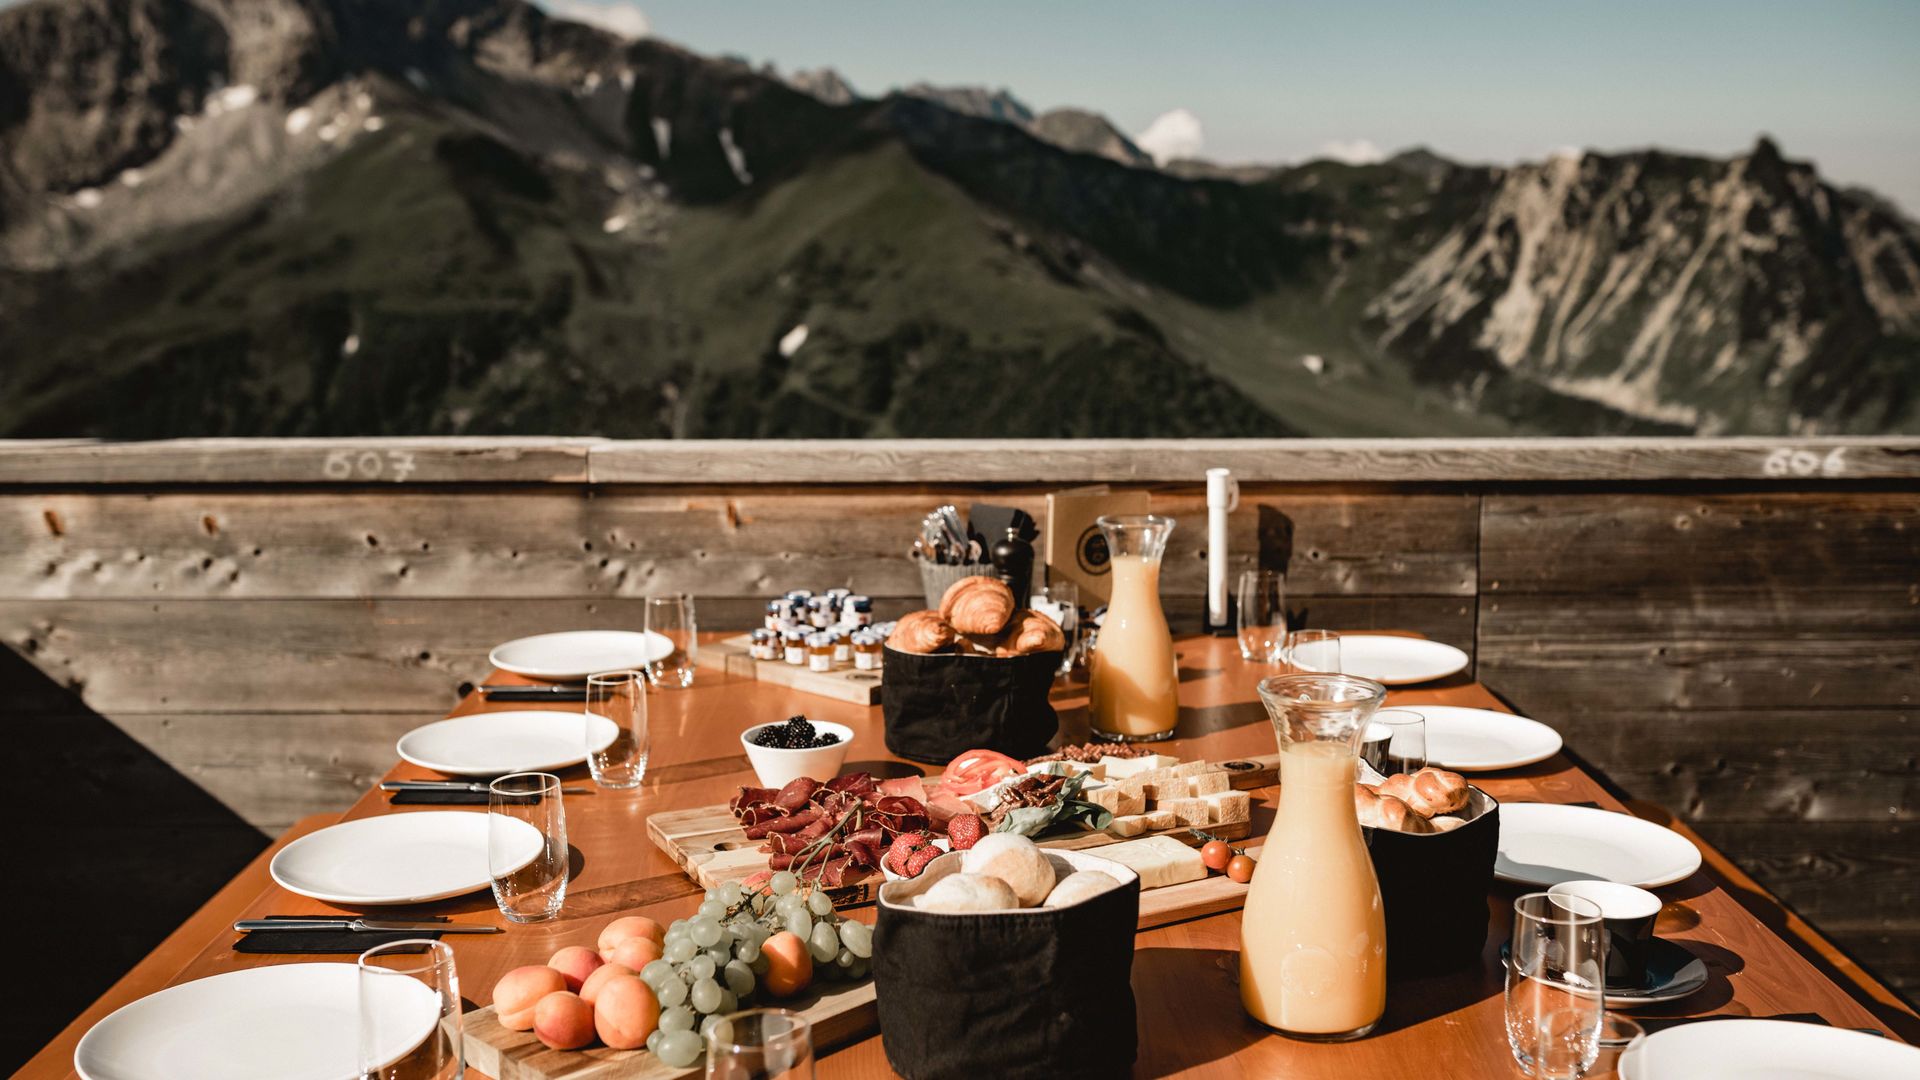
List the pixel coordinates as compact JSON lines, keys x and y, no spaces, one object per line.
{"x":977,"y":770}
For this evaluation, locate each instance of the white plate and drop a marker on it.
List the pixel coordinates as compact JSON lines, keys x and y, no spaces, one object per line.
{"x":288,"y":1021}
{"x":497,"y":743}
{"x":406,"y":858}
{"x":1767,"y":1050}
{"x":576,"y":654}
{"x":1481,"y":740}
{"x":1545,"y":844}
{"x":1386,"y":659}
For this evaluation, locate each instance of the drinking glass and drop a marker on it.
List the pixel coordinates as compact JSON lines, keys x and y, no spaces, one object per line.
{"x":410,"y":1012}
{"x":616,"y":728}
{"x":1396,"y":742}
{"x":527,"y":846}
{"x":1060,"y":601}
{"x":760,"y":1044}
{"x":1556,"y":978}
{"x":671,"y":616}
{"x":1311,"y":652}
{"x":1262,"y":620}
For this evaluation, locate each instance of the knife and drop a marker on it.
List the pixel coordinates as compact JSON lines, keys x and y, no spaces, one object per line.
{"x":477,"y":787}
{"x":559,"y":692}
{"x":367,"y":925}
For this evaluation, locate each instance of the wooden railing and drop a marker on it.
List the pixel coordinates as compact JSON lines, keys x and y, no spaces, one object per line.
{"x":1729,"y":627}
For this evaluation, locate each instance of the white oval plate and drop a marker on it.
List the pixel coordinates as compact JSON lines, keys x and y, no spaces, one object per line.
{"x":291,"y":1021}
{"x":1545,"y":844}
{"x":497,"y":743}
{"x":576,"y":654}
{"x":1729,"y":1049}
{"x":1482,"y":740}
{"x":1386,"y":659}
{"x":406,"y":858}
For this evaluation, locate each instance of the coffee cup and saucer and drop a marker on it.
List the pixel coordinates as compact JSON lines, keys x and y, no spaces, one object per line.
{"x":1641,"y":969}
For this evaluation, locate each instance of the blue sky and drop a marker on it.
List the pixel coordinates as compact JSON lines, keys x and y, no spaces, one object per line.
{"x":1831,"y":80}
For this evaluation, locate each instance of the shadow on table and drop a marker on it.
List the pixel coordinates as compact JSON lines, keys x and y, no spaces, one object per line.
{"x":1188,"y":1003}
{"x":123,"y":849}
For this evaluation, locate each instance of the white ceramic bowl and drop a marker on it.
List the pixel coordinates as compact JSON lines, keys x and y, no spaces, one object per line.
{"x":776,"y":767}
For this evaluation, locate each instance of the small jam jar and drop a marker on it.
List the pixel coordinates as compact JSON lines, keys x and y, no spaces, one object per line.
{"x":819,"y":652}
{"x":842,"y":647}
{"x":778,"y":611}
{"x":793,"y":643}
{"x":856,"y":610}
{"x":764,"y":645}
{"x":866,"y":650}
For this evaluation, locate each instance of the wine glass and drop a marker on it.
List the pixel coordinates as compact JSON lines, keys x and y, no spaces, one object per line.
{"x":1262,"y":617}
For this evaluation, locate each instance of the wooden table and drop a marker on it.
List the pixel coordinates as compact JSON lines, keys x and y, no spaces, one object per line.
{"x":1190,"y":1021}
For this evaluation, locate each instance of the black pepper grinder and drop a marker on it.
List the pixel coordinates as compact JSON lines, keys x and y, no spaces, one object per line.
{"x":1012,"y":558}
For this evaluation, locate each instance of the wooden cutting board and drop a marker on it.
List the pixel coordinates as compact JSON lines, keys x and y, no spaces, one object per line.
{"x":844,"y":1013}
{"x":843,"y":683}
{"x":713,"y":849}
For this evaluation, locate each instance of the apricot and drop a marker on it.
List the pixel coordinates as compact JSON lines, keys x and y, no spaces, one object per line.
{"x":626,"y":1013}
{"x":519,"y":990}
{"x":635,"y":952}
{"x":630,"y":926}
{"x":575,"y":963}
{"x":563,"y":1021}
{"x":601,"y":976}
{"x":789,"y":964}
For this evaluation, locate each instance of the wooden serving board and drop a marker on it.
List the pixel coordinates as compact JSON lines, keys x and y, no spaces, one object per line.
{"x":709,"y":844}
{"x":843,"y":683}
{"x":844,"y":1013}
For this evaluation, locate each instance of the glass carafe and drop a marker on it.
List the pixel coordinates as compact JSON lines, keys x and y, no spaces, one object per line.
{"x":1132,"y":684}
{"x":1313,"y":936}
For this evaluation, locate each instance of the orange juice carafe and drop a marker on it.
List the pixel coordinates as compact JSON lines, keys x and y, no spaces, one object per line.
{"x":1131,"y":681}
{"x":1313,"y":937}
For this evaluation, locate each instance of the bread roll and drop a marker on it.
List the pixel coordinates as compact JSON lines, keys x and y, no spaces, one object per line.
{"x":968,"y":892}
{"x":1428,"y":792}
{"x":1029,"y":632}
{"x":1378,"y":810}
{"x":977,"y":605}
{"x":920,"y":632}
{"x":1081,"y":885}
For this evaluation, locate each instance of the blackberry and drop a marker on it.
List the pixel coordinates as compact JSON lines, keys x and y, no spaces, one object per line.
{"x":796,"y":734}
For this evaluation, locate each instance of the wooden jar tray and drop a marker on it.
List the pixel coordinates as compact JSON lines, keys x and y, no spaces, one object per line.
{"x":843,"y":683}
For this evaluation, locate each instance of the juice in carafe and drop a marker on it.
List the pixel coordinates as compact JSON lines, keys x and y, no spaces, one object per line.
{"x":1313,"y":936}
{"x":1133,"y":686}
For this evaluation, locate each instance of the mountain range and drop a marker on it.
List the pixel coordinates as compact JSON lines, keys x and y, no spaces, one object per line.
{"x":289,"y":217}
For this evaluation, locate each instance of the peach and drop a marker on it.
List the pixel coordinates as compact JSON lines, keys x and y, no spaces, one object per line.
{"x":520,"y":990}
{"x":601,"y":976}
{"x":635,"y":952}
{"x":575,"y":963}
{"x":563,"y":1021}
{"x":630,"y":926}
{"x":789,"y":964}
{"x":626,"y":1014}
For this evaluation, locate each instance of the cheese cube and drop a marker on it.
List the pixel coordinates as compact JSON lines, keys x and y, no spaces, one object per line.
{"x":1190,"y":768}
{"x":1131,"y":802}
{"x":1128,"y":825}
{"x":1190,"y":812}
{"x":1163,"y":786}
{"x":1119,"y":768}
{"x":1161,"y":819}
{"x":1229,"y":807}
{"x":1159,"y":860}
{"x":1210,"y":782}
{"x":1062,"y":768}
{"x":1107,"y":798}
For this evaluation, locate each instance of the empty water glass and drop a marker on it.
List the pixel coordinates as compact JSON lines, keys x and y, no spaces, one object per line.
{"x":1262,"y":616}
{"x":527,"y":846}
{"x":1314,"y":652}
{"x":671,"y":616}
{"x":410,"y":1012}
{"x":760,"y":1044}
{"x":1556,"y":978}
{"x":616,"y":728}
{"x":1395,"y":742}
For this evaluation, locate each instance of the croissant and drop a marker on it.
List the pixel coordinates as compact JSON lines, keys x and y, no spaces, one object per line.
{"x":1381,"y":811}
{"x":977,"y":605}
{"x":920,"y":632}
{"x":1428,"y":792}
{"x":1029,"y":632}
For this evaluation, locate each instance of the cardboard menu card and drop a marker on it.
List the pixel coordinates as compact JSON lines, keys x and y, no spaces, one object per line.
{"x":1076,"y":550}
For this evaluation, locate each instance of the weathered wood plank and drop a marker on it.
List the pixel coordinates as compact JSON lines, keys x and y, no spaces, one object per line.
{"x":1844,"y":872}
{"x":447,"y":460}
{"x":560,"y":543}
{"x":1641,"y":542}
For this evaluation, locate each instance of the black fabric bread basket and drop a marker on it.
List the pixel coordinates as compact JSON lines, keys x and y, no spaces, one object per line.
{"x":1034,"y":993}
{"x":939,"y":706}
{"x":1434,"y":888}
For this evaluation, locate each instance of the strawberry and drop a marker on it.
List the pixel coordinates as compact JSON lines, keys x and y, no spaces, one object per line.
{"x":904,"y":847}
{"x":965,"y":830}
{"x":919,"y":859}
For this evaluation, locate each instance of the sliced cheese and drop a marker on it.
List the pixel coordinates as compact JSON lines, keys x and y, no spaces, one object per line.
{"x":1191,"y":812}
{"x":1229,"y":807}
{"x":1128,"y":825}
{"x":1159,"y":860}
{"x":1107,"y":798}
{"x":1131,"y":801}
{"x":1120,"y":768}
{"x":1161,"y":819}
{"x":1209,"y":782}
{"x":1067,"y":768}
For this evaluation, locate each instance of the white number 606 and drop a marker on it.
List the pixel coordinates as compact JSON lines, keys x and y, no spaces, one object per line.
{"x":1787,"y":461}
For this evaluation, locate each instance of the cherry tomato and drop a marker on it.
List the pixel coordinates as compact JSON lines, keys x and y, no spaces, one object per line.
{"x":1216,"y":854}
{"x":1240,"y":868}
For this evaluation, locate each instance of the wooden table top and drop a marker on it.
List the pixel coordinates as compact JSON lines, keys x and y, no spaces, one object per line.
{"x":1190,"y":1022}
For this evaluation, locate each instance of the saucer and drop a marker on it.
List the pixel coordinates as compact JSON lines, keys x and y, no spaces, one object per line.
{"x":1672,"y":973}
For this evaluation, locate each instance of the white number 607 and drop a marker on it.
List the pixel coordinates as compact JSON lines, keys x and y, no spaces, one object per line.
{"x":397,"y":465}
